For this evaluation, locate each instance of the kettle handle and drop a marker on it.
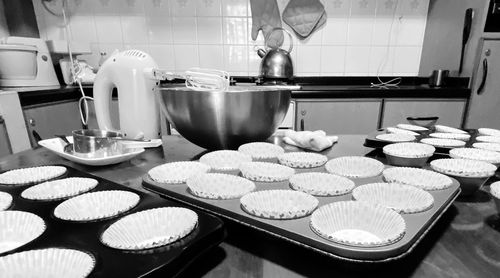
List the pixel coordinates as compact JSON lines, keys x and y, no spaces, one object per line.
{"x":283,"y":29}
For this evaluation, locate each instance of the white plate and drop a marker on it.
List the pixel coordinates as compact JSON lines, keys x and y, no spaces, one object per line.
{"x":56,"y":145}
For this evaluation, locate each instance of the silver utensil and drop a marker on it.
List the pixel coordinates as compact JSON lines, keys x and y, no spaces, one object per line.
{"x":68,"y":148}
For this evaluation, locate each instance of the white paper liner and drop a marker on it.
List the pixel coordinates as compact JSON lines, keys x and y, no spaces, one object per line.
{"x":58,"y":189}
{"x":412,"y":127}
{"x":219,"y":186}
{"x":266,"y":172}
{"x":409,"y":150}
{"x":358,"y":224}
{"x":448,"y":129}
{"x":421,"y":178}
{"x":279,"y":204}
{"x":487,"y":146}
{"x":488,"y":139}
{"x":96,"y":205}
{"x":476,"y":154}
{"x":495,"y":189}
{"x":399,"y":197}
{"x":463,"y":167}
{"x":18,"y":228}
{"x":489,"y":131}
{"x":302,"y":159}
{"x":25,"y":176}
{"x":150,"y":228}
{"x":395,"y":137}
{"x":321,"y":184}
{"x":457,"y":136}
{"x":177,"y":172}
{"x":225,"y":160}
{"x":261,"y":150}
{"x":440,"y":142}
{"x":354,"y":167}
{"x":5,"y":200}
{"x":47,"y":263}
{"x":396,"y":130}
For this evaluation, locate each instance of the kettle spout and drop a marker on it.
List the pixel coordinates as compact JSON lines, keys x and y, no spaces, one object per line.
{"x":261,"y":52}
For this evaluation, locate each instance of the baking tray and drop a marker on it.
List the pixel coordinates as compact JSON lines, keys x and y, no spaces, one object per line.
{"x":168,"y":260}
{"x":298,"y":231}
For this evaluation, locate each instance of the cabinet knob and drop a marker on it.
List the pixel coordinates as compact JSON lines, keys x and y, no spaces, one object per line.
{"x":32,"y":122}
{"x":303,"y":112}
{"x":487,"y":52}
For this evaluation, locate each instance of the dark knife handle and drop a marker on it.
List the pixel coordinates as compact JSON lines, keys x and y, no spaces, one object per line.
{"x":469,"y":14}
{"x":485,"y":75}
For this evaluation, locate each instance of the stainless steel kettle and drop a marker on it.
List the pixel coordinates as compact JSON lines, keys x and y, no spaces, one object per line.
{"x":276,"y":63}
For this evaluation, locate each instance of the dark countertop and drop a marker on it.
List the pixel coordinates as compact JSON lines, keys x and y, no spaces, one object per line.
{"x":464,"y":243}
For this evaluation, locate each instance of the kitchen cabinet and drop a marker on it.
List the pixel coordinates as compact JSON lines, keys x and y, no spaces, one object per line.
{"x":449,"y":111}
{"x":342,"y":116}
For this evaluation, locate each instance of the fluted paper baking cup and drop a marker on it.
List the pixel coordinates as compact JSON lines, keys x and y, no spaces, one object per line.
{"x":150,"y":228}
{"x":47,"y":263}
{"x":33,"y":175}
{"x":279,"y":204}
{"x":302,"y":159}
{"x":412,"y":127}
{"x":177,"y":172}
{"x":399,"y":197}
{"x":476,"y":154}
{"x":5,"y":200}
{"x":358,"y":224}
{"x":409,"y":150}
{"x":18,"y":228}
{"x":396,"y":130}
{"x":96,"y":205}
{"x":265,"y":171}
{"x":445,"y":143}
{"x":225,"y":160}
{"x":354,"y":167}
{"x":456,"y":136}
{"x":448,"y":129}
{"x":58,"y":189}
{"x":463,"y":167}
{"x":487,"y":146}
{"x":395,"y":137}
{"x":219,"y":186}
{"x":488,"y":139}
{"x":421,"y":178}
{"x":495,"y":189}
{"x":489,"y":131}
{"x":321,"y":184}
{"x":261,"y":150}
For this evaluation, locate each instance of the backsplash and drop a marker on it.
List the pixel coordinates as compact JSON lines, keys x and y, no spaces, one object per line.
{"x":361,"y":37}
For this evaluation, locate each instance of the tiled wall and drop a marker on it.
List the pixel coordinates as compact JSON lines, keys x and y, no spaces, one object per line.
{"x":361,"y":37}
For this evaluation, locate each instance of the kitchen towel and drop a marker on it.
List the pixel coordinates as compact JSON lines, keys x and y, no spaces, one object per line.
{"x":304,"y":16}
{"x":265,"y":17}
{"x":311,"y":140}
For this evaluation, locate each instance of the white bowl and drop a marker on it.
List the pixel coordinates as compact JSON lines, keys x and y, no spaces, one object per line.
{"x":219,"y":186}
{"x":58,"y":189}
{"x":279,"y":204}
{"x":321,"y":184}
{"x":261,"y":150}
{"x":32,"y":175}
{"x":18,"y":228}
{"x":177,"y":172}
{"x":354,"y":167}
{"x":225,"y":160}
{"x":266,"y":172}
{"x":302,"y":159}
{"x":5,"y":200}
{"x":421,"y":178}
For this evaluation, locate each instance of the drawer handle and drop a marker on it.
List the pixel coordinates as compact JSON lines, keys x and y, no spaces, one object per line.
{"x":485,"y":74}
{"x":302,"y":125}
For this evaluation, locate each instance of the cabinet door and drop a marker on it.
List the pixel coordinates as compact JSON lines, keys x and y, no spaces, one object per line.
{"x":450,"y":112}
{"x":338,"y":117}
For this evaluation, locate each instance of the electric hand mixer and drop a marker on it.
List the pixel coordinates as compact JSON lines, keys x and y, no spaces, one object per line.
{"x":135,"y":75}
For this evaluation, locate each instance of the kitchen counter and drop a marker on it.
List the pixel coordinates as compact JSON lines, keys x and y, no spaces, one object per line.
{"x":464,"y":243}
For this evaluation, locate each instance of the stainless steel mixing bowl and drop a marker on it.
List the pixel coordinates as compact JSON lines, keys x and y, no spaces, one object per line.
{"x":225,"y":120}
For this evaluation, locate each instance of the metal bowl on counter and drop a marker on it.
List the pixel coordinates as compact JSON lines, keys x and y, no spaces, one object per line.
{"x":228,"y":119}
{"x":95,"y":143}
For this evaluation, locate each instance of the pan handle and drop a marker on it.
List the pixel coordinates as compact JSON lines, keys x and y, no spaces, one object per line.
{"x":485,"y":75}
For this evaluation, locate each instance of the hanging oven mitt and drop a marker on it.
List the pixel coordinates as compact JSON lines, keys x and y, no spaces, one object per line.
{"x":311,"y":140}
{"x":265,"y":17}
{"x":304,"y":16}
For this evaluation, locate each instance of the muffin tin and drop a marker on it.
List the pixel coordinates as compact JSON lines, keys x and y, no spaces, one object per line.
{"x":166,"y":260}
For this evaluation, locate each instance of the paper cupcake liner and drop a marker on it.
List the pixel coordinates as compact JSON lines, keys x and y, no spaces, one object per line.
{"x":354,"y":167}
{"x":59,"y":189}
{"x":421,"y":178}
{"x":266,"y":172}
{"x":358,"y":224}
{"x":18,"y":228}
{"x":177,"y":172}
{"x":448,"y":129}
{"x":150,"y":228}
{"x":219,"y":186}
{"x":487,"y":146}
{"x":456,"y":136}
{"x":302,"y":159}
{"x":463,"y":167}
{"x":476,"y":154}
{"x":225,"y":160}
{"x":279,"y":204}
{"x":412,"y":127}
{"x":399,"y":197}
{"x":96,"y":205}
{"x":395,"y":137}
{"x":321,"y":184}
{"x":33,"y":175}
{"x":488,"y":139}
{"x":445,"y":143}
{"x":261,"y":150}
{"x":409,"y":150}
{"x":5,"y":200}
{"x":495,"y":189}
{"x":489,"y":131}
{"x":396,"y":130}
{"x":47,"y":263}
